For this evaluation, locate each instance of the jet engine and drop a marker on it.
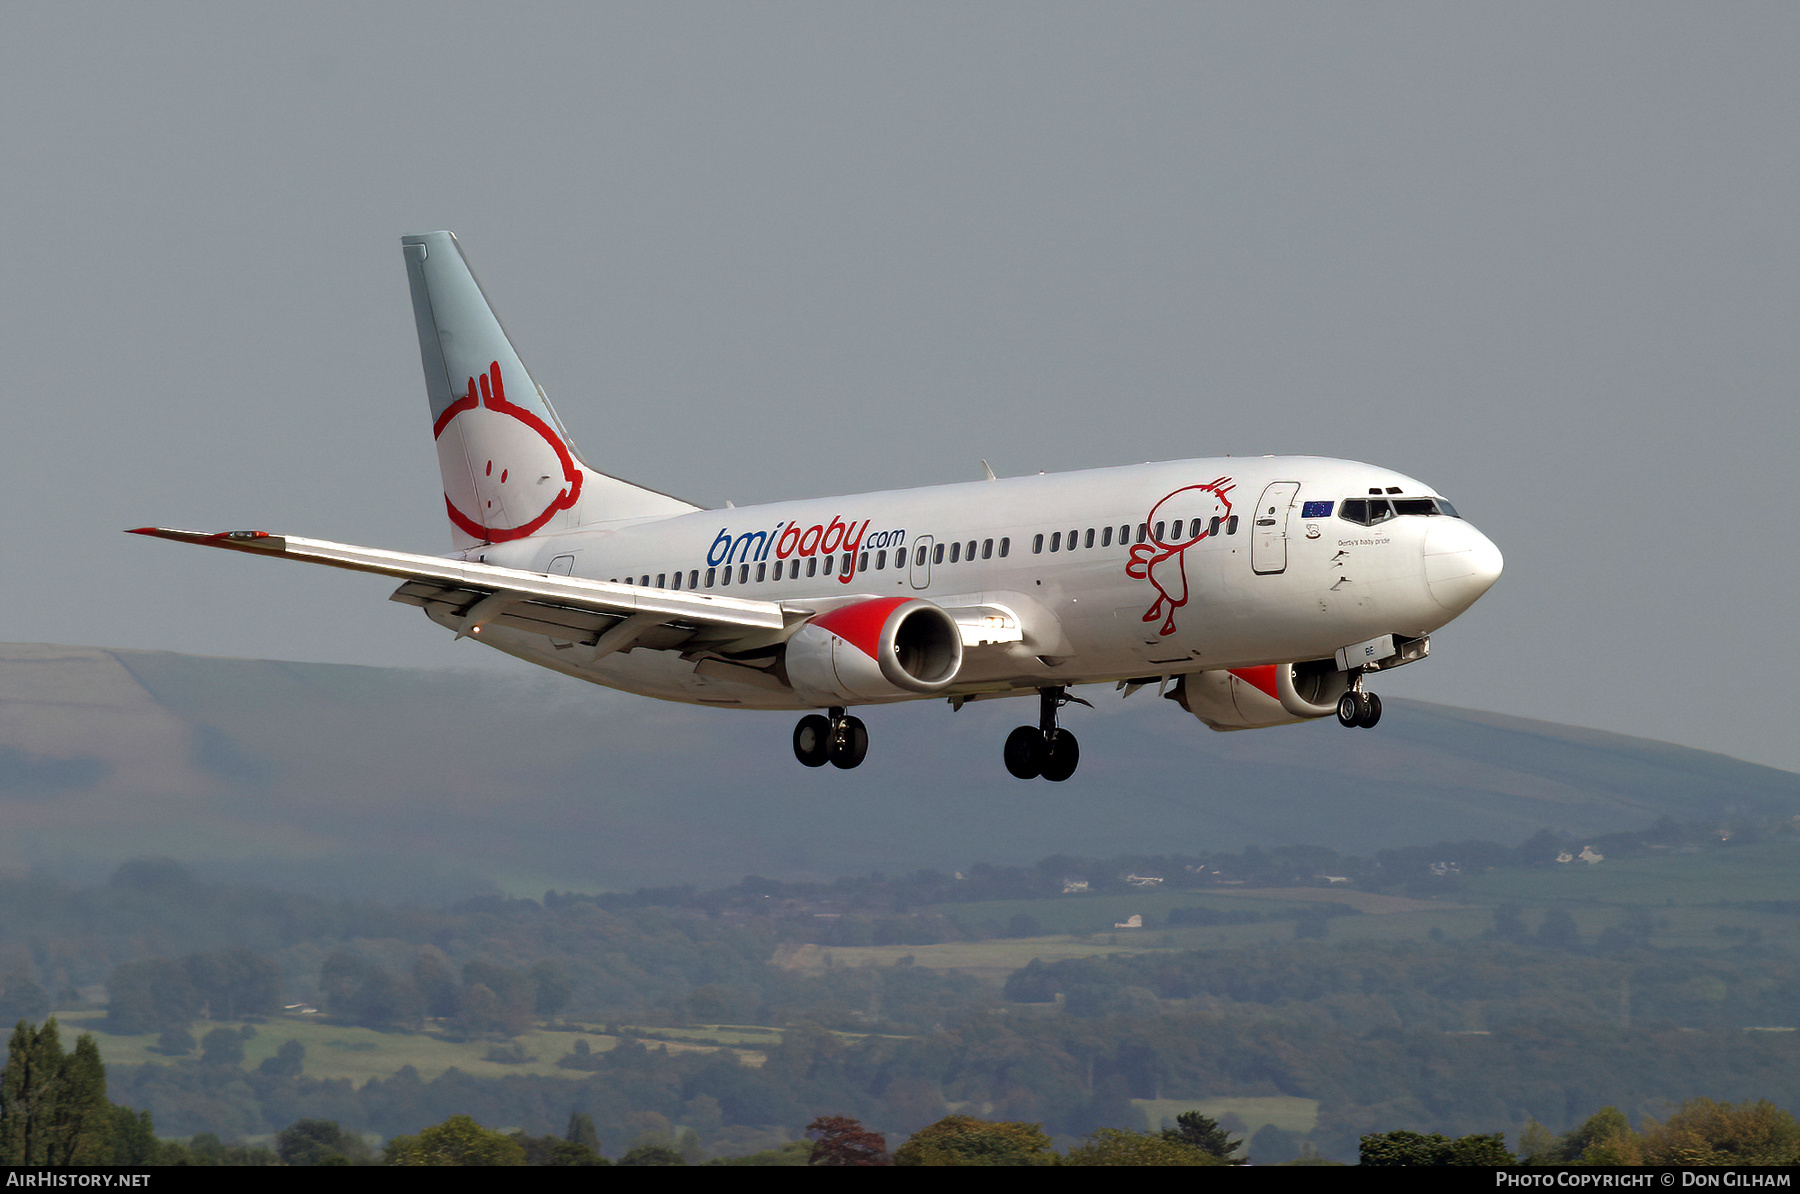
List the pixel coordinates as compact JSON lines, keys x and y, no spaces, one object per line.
{"x":1274,"y":694}
{"x":868,"y":650}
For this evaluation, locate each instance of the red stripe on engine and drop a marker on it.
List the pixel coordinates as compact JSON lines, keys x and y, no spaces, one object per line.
{"x":860,"y":624}
{"x":1263,"y":678}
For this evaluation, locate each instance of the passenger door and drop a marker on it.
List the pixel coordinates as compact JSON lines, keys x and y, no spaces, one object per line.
{"x":1269,"y":528}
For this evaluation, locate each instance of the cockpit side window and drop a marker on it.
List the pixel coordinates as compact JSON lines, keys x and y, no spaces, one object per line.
{"x":1365,"y":511}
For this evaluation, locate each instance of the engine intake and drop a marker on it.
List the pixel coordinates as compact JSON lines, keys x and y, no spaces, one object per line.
{"x":883,"y":647}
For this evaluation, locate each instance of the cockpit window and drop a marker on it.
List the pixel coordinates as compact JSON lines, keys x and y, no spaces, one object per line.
{"x":1365,"y":511}
{"x":1370,"y":511}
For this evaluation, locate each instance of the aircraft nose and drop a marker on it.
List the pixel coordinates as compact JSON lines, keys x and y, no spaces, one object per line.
{"x":1461,"y":563}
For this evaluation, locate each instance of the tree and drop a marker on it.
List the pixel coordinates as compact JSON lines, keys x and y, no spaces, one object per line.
{"x":1707,"y":1133}
{"x":459,"y":1140}
{"x":653,"y":1154}
{"x":1113,"y":1146}
{"x":149,"y":996}
{"x":962,"y":1140}
{"x":289,"y":1061}
{"x":53,"y":1106}
{"x":320,"y":1142}
{"x":840,"y":1140}
{"x":1202,"y":1132}
{"x":1411,"y":1148}
{"x":221,"y":1047}
{"x":1605,"y":1138}
{"x":581,"y":1128}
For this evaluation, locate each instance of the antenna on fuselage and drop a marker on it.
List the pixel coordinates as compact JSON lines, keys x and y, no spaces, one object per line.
{"x":989,"y":470}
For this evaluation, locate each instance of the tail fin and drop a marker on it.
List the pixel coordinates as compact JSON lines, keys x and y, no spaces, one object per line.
{"x":509,"y":468}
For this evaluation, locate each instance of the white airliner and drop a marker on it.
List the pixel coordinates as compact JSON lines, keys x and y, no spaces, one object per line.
{"x":1252,"y":591}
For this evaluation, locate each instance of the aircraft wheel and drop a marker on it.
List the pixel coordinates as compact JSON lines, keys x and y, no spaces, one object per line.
{"x":1061,"y":754}
{"x":849,"y":743}
{"x":1025,"y":752}
{"x":1374,"y":713}
{"x":812,"y":740}
{"x":1349,"y":710}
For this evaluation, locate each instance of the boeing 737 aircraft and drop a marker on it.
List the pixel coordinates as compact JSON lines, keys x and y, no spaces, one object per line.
{"x":1251,"y":591}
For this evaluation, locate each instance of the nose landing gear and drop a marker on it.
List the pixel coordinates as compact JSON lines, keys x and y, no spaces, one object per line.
{"x":1359,"y":709}
{"x":1044,"y":749}
{"x":840,"y":740}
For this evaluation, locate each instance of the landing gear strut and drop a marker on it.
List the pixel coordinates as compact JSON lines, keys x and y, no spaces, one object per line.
{"x":1357,"y":708}
{"x":1044,"y":749}
{"x":840,"y":740}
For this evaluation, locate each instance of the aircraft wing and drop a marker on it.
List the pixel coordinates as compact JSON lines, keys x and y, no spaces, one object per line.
{"x":465,"y":596}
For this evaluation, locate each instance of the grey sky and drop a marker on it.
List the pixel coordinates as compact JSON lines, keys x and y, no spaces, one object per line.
{"x":1540,"y":256}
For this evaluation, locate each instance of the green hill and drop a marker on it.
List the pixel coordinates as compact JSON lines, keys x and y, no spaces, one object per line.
{"x":419,"y":784}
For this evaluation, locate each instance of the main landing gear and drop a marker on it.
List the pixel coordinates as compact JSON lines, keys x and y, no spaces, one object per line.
{"x":840,"y":740}
{"x":1044,"y":749}
{"x":1357,"y":708}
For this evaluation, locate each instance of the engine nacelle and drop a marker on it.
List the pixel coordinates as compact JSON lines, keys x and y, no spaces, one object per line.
{"x":1249,"y":698}
{"x":883,"y":647}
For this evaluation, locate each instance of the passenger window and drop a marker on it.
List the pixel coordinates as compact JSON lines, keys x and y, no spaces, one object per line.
{"x":1212,"y":528}
{"x":762,"y":571}
{"x":661,"y":577}
{"x":675,"y":581}
{"x":1005,"y":546}
{"x":1159,"y":533}
{"x":955,"y":551}
{"x":1089,"y":541}
{"x":970,"y":554}
{"x":812,"y":565}
{"x":880,"y":560}
{"x":725,"y":575}
{"x":709,"y":577}
{"x":694,"y":579}
{"x":987,"y":549}
{"x":1143,"y":532}
{"x":1106,"y":536}
{"x":1037,"y":544}
{"x":937,"y":554}
{"x":1056,"y":541}
{"x":646,"y":580}
{"x":849,"y":558}
{"x":829,"y":561}
{"x":862,"y":562}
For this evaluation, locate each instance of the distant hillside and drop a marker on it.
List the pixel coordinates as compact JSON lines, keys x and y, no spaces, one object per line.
{"x":423,"y":784}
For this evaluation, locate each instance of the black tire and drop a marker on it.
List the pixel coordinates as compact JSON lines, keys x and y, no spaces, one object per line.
{"x":1025,"y":752}
{"x":1374,"y":713}
{"x":849,"y":743}
{"x":1349,"y":710}
{"x":812,"y":740}
{"x":1061,"y":755}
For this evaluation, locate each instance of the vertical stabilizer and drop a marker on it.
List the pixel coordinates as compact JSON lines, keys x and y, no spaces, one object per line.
{"x":509,"y":469}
